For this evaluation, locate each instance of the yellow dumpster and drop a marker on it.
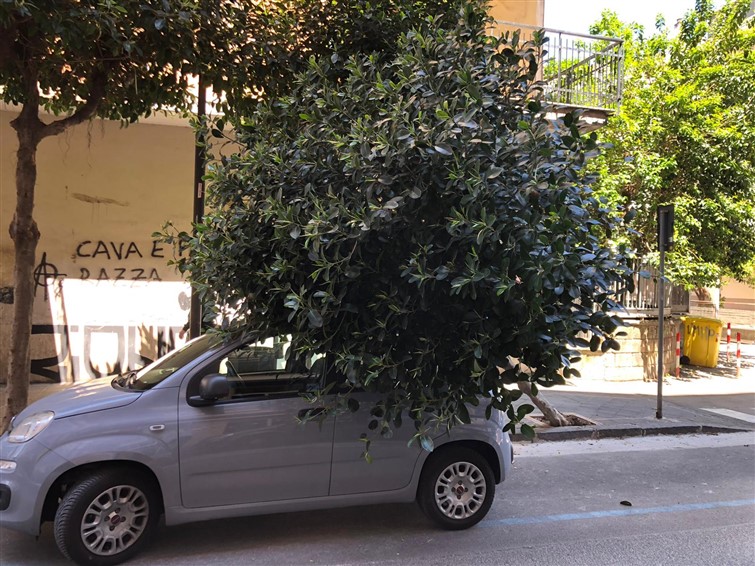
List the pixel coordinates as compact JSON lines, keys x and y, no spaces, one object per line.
{"x":701,"y":340}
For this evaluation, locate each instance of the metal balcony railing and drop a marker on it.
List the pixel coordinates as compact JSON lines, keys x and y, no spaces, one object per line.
{"x":579,"y":71}
{"x":644,"y":301}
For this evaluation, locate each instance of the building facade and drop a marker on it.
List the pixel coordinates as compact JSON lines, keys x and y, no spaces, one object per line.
{"x":106,"y":298}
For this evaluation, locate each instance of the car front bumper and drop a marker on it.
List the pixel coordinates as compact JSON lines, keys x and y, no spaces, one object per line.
{"x":26,"y":486}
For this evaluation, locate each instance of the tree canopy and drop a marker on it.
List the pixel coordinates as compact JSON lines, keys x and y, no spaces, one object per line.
{"x":138,"y":56}
{"x":686,"y":135}
{"x":423,"y":223}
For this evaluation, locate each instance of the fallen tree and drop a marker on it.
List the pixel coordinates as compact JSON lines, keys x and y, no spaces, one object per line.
{"x":419,"y":218}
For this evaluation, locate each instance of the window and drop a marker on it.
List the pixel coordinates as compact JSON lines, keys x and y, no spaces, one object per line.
{"x":267,"y":356}
{"x":259,"y":370}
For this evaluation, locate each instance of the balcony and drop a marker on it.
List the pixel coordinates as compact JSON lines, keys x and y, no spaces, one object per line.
{"x":579,"y":71}
{"x":644,"y":301}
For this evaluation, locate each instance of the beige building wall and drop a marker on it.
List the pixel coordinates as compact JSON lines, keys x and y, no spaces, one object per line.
{"x":530,"y":12}
{"x":733,"y":303}
{"x":102,"y":190}
{"x":739,"y":297}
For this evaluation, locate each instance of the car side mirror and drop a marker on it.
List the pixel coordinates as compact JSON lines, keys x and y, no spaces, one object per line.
{"x":211,"y":388}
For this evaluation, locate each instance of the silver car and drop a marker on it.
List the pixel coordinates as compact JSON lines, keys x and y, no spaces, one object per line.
{"x":211,"y":431}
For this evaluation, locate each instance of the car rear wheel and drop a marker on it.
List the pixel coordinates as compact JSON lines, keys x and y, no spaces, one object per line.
{"x":107,"y":517}
{"x":456,"y":488}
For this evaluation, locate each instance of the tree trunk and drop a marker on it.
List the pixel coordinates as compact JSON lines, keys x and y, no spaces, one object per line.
{"x":551,"y":414}
{"x":30,"y":130}
{"x":25,"y":235}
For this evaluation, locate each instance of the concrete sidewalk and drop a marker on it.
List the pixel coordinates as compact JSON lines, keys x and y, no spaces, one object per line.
{"x":632,"y":414}
{"x":699,"y":401}
{"x":628,"y":408}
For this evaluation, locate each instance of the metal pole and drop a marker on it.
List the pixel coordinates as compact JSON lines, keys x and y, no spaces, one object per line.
{"x":195,"y":314}
{"x":661,"y":305}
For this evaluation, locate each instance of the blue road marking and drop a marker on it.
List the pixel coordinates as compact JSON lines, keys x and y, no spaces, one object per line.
{"x":616,"y":513}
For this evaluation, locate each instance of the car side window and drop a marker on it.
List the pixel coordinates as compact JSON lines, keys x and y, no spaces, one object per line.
{"x":259,"y":370}
{"x":259,"y":357}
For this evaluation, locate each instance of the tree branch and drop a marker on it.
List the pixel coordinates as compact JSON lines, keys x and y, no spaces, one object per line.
{"x":552,"y":415}
{"x":85,"y":112}
{"x":28,"y":124}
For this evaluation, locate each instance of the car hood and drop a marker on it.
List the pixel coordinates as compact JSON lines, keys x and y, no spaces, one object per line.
{"x":96,"y":395}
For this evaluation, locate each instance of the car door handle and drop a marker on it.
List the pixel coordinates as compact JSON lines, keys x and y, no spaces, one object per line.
{"x":313,"y":412}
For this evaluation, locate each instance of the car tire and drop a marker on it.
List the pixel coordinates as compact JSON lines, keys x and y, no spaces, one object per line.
{"x":456,"y":488}
{"x":107,"y":517}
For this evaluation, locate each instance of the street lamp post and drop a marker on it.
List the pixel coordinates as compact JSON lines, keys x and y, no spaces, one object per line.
{"x":665,"y":240}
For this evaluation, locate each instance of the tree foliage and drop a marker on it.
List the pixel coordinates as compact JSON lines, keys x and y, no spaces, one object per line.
{"x":686,"y":135}
{"x":143,"y":54}
{"x":124,"y":59}
{"x":422,"y":222}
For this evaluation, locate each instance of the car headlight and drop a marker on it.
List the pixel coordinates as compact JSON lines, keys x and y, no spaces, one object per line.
{"x":30,"y":427}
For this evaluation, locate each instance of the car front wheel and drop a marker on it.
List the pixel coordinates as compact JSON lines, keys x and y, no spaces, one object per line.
{"x":456,"y":488}
{"x":107,"y":517}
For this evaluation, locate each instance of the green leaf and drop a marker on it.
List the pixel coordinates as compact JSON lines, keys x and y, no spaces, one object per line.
{"x":426,"y":443}
{"x":463,"y":413}
{"x":527,"y":431}
{"x":443,"y":149}
{"x":494,"y":172}
{"x":393,"y":203}
{"x":315,"y":319}
{"x":524,"y":410}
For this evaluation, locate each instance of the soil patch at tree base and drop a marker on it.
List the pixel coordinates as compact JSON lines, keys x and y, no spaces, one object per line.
{"x":573,"y":420}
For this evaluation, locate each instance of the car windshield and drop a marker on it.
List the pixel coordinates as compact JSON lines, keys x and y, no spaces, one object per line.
{"x":151,"y":375}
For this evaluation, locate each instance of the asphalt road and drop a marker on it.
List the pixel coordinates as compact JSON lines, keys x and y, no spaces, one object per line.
{"x":692,"y":503}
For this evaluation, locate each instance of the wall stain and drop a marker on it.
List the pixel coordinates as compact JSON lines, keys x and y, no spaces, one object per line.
{"x":6,"y":295}
{"x":97,"y":200}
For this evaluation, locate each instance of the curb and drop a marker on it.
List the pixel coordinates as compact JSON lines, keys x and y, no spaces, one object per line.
{"x":595,"y":432}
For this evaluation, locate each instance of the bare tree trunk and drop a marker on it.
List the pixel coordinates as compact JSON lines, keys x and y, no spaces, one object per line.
{"x":551,"y":414}
{"x":25,"y":235}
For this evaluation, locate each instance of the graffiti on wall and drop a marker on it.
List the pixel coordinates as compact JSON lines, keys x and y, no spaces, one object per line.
{"x":108,"y":309}
{"x":43,"y":273}
{"x":125,"y":348}
{"x":98,"y":257}
{"x":101,"y":250}
{"x":104,"y":324}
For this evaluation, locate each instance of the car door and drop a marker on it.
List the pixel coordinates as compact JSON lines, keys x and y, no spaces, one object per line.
{"x":392,"y":462}
{"x":249,"y":448}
